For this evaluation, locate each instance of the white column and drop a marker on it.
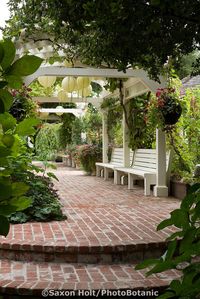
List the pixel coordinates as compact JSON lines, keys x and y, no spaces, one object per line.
{"x":161,"y":188}
{"x":105,"y":137}
{"x":126,"y":149}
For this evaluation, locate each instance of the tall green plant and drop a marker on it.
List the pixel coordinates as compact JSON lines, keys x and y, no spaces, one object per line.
{"x":47,"y":142}
{"x":114,"y":120}
{"x":65,"y":132}
{"x":93,"y":125}
{"x":183,"y":250}
{"x":12,"y":134}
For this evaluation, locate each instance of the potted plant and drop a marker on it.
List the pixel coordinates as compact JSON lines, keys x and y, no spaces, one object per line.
{"x":165,"y":108}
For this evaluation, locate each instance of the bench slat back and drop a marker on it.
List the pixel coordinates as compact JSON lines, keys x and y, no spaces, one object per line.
{"x":145,"y":160}
{"x":117,"y":157}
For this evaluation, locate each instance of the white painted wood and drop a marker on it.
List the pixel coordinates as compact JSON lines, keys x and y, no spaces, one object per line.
{"x":88,"y":72}
{"x":105,"y":137}
{"x":161,"y":188}
{"x":94,"y":101}
{"x":126,"y":149}
{"x":144,"y":166}
{"x":116,"y":161}
{"x":76,"y":112}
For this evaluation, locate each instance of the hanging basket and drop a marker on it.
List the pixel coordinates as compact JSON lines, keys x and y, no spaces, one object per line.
{"x":172,"y":117}
{"x":170,"y":109}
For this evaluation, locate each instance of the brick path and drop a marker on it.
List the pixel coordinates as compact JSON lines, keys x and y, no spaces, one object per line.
{"x":107,"y":224}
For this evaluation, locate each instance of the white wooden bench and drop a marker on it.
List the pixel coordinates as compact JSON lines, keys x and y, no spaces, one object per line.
{"x":143,"y":167}
{"x":116,"y":161}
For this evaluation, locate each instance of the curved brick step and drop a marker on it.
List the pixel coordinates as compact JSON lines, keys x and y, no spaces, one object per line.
{"x":126,"y":253}
{"x":31,"y":278}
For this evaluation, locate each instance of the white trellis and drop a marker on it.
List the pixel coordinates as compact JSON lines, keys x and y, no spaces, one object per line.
{"x":138,"y":83}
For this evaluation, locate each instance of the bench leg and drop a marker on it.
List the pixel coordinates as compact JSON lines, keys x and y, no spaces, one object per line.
{"x":124,"y":180}
{"x":147,"y":185}
{"x":98,"y":170}
{"x":106,"y":173}
{"x":117,"y":177}
{"x":131,"y":180}
{"x":148,"y":181}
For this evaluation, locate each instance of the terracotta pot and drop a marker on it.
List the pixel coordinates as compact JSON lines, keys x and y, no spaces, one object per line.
{"x":178,"y":189}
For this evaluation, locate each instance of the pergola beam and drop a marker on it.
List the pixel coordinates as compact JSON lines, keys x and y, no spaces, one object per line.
{"x":76,"y":112}
{"x":94,"y":101}
{"x":92,"y":72}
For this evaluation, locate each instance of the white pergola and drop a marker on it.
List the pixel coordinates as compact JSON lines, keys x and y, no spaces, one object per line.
{"x":138,"y":83}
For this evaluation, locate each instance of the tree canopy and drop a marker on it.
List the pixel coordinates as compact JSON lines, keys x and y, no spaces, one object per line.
{"x":118,"y":33}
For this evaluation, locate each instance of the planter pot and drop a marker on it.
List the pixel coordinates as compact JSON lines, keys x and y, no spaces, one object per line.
{"x":172,"y":117}
{"x":178,"y":189}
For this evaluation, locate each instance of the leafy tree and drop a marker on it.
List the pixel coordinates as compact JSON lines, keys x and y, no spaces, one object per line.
{"x":119,"y":33}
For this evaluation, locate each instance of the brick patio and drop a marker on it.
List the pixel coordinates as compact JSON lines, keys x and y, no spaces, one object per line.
{"x":108,"y":227}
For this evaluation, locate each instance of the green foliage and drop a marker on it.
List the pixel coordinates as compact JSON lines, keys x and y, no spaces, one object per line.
{"x":113,"y":109}
{"x":141,"y":132}
{"x":65,"y":132}
{"x":12,"y":197}
{"x":38,"y":90}
{"x":183,"y":250}
{"x":191,"y":120}
{"x":113,"y":33}
{"x":47,"y":142}
{"x":23,"y":106}
{"x":185,"y":67}
{"x":184,"y":139}
{"x":77,"y":128}
{"x":88,"y":155}
{"x":93,"y":125}
{"x":45,"y":205}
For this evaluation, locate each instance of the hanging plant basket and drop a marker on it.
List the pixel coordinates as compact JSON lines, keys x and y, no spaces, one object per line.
{"x":171,"y":116}
{"x":169,"y":106}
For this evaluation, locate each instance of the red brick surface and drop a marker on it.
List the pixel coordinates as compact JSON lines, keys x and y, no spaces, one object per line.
{"x":106,"y":224}
{"x":27,"y":278}
{"x":100,"y":214}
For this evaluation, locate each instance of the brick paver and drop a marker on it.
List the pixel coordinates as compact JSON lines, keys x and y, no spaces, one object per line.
{"x":32,"y":278}
{"x":109,"y":229}
{"x":99,"y":214}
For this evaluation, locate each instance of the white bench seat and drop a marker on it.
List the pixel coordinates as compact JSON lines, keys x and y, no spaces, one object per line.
{"x":116,"y":161}
{"x":143,"y":167}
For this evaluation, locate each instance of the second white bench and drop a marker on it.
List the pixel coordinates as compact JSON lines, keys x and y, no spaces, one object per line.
{"x":144,"y":166}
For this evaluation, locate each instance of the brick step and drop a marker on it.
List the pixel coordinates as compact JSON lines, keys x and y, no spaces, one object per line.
{"x":30,"y":278}
{"x":122,"y":253}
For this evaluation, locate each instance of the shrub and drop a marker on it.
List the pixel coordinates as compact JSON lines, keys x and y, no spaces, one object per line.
{"x":89,"y":154}
{"x":45,"y":205}
{"x":47,"y":142}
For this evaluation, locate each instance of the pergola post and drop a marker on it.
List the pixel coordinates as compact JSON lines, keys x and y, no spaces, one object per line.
{"x":161,"y":189}
{"x":126,"y":149}
{"x":105,"y":136}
